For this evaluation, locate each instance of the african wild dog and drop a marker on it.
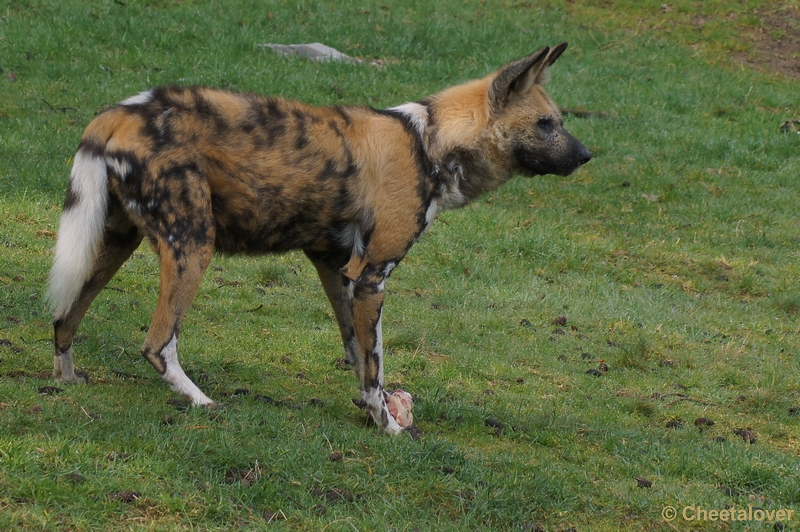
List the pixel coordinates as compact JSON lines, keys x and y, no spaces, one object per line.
{"x":198,"y":169}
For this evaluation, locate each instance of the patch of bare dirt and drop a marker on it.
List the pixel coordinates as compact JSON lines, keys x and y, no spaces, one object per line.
{"x":778,"y":40}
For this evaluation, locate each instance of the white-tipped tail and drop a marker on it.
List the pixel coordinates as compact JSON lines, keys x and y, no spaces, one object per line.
{"x":80,"y":231}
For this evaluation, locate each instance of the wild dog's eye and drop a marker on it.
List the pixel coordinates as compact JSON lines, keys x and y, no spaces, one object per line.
{"x":545,"y":122}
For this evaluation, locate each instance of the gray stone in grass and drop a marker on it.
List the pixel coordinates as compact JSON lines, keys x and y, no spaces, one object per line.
{"x":314,"y":51}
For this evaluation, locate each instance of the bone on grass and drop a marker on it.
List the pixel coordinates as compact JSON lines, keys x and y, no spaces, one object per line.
{"x":400,"y":406}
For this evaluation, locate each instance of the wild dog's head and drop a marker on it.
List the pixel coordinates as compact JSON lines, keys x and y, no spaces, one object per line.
{"x":527,"y":120}
{"x":481,"y":133}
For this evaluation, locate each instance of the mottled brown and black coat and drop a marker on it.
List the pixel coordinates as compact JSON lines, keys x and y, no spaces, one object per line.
{"x":195,"y":170}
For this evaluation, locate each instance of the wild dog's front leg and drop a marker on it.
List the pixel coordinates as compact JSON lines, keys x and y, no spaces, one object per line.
{"x":367,"y":294}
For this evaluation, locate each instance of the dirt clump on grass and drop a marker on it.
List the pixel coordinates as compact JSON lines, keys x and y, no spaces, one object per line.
{"x":777,"y":41}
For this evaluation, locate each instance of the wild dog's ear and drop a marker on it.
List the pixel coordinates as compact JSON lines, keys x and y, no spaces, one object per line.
{"x":517,"y":77}
{"x":542,"y":77}
{"x":555,"y":53}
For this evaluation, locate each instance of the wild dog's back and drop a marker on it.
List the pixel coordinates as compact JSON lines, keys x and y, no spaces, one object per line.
{"x":282,"y":175}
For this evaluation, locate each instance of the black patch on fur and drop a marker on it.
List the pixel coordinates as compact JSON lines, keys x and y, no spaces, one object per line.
{"x":130,"y":188}
{"x":334,"y":259}
{"x":342,"y":111}
{"x":232,"y":237}
{"x":371,"y":277}
{"x":528,"y":161}
{"x":93,"y":148}
{"x":274,"y":111}
{"x":154,"y":356}
{"x":302,"y":135}
{"x":328,"y":171}
{"x":120,"y":231}
{"x":178,"y":170}
{"x":367,"y":230}
{"x":563,"y":161}
{"x":156,"y":120}
{"x":121,"y":239}
{"x":61,"y":348}
{"x":271,"y":120}
{"x":170,"y":96}
{"x":343,"y":200}
{"x":207,"y":112}
{"x":72,"y":197}
{"x":335,"y":127}
{"x":362,"y":290}
{"x":299,"y":226}
{"x":468,"y":170}
{"x":156,"y":113}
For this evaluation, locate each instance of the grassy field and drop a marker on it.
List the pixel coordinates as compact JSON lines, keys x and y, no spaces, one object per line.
{"x":584,"y":352}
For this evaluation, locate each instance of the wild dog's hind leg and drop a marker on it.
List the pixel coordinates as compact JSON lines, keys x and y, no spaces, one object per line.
{"x":120,"y":239}
{"x":182,"y":264}
{"x":335,"y":285}
{"x":179,"y":218}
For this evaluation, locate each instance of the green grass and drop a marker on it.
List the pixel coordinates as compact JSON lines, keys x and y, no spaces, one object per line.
{"x":673,"y":256}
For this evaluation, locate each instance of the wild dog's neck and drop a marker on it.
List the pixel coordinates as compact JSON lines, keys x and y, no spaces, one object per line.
{"x":454,"y":131}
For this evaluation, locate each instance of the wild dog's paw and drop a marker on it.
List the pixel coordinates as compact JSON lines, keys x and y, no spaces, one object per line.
{"x":183,"y":405}
{"x":400,"y":405}
{"x":77,"y":377}
{"x":203,"y":402}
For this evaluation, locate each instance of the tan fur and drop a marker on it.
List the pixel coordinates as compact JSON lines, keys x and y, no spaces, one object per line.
{"x":463,"y":115}
{"x":198,"y":169}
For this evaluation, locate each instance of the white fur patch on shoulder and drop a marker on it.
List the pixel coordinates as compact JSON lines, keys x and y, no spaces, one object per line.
{"x":417,"y":113}
{"x":140,"y":99}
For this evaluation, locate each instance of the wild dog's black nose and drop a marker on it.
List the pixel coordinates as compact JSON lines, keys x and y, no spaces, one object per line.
{"x":584,"y":155}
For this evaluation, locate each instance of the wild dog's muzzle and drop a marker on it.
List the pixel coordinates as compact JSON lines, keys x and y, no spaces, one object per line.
{"x":581,"y":156}
{"x":561,"y":157}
